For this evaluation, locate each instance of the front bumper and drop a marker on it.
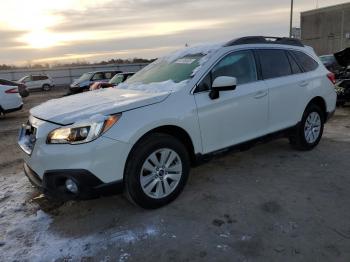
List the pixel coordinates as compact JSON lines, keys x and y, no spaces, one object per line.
{"x":96,"y":166}
{"x":89,"y":186}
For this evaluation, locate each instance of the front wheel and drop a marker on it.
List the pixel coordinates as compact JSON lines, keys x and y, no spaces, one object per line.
{"x":157,"y":171}
{"x":309,"y":131}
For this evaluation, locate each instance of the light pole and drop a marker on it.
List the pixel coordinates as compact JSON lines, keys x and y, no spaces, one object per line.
{"x":291,"y":18}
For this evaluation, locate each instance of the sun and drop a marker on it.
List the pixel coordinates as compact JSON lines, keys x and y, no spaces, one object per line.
{"x":39,"y":39}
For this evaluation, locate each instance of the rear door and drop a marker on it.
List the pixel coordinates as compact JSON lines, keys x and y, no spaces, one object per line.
{"x":37,"y":81}
{"x":285,"y":82}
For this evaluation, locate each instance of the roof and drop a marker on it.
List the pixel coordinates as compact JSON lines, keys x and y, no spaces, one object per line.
{"x":265,"y":40}
{"x":104,"y":71}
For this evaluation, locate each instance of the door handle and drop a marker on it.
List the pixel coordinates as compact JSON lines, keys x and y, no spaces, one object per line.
{"x":303,"y":84}
{"x":260,"y":94}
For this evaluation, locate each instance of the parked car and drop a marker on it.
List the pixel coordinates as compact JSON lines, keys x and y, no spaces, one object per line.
{"x":40,"y":81}
{"x":22,"y":89}
{"x":86,"y":80}
{"x":331,"y":64}
{"x":143,"y":136}
{"x":10,"y":100}
{"x":343,"y":92}
{"x":116,"y":80}
{"x":343,"y":80}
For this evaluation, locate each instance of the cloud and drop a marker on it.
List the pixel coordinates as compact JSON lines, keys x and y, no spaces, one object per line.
{"x":91,"y":29}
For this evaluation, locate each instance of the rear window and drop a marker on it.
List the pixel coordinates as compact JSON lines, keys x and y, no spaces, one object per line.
{"x":305,"y":61}
{"x":274,"y":63}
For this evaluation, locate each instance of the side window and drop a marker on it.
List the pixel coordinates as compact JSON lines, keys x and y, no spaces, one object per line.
{"x":274,"y":63}
{"x":36,"y":78}
{"x":306,"y":62}
{"x":240,"y":65}
{"x":98,"y":76}
{"x":109,"y":75}
{"x":295,"y":67}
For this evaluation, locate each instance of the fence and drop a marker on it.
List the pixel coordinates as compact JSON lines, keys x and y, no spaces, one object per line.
{"x":65,"y":75}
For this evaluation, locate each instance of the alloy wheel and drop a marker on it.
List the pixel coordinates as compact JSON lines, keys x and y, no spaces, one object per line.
{"x":161,"y":173}
{"x":312,"y":129}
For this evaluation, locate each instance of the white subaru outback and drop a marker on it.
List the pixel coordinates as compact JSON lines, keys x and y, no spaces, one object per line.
{"x":142,"y":136}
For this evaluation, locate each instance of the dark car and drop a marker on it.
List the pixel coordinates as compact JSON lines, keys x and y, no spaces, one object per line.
{"x":331,"y":63}
{"x":86,"y":80}
{"x":116,"y":80}
{"x":343,"y":80}
{"x":22,"y":88}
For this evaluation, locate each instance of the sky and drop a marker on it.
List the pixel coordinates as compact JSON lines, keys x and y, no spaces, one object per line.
{"x":45,"y":31}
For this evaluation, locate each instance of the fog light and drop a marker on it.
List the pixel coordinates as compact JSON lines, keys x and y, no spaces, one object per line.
{"x":71,"y":186}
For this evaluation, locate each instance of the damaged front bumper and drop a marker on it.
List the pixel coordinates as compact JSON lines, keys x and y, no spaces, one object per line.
{"x":89,"y":186}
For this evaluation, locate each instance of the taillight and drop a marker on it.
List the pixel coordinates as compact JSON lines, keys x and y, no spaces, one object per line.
{"x":331,"y":78}
{"x":12,"y":91}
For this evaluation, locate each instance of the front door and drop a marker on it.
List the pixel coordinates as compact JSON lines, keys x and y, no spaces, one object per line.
{"x":236,"y":116}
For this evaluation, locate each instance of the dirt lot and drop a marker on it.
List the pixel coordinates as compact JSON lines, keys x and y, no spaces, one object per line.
{"x":270,"y":203}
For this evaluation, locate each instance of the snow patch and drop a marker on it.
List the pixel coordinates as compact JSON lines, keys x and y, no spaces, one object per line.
{"x":166,"y":86}
{"x":30,"y":237}
{"x":204,"y":49}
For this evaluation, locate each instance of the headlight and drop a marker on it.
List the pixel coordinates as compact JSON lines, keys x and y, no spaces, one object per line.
{"x":82,"y":132}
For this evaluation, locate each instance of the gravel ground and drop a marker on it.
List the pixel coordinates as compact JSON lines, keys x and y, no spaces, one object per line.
{"x":270,"y":203}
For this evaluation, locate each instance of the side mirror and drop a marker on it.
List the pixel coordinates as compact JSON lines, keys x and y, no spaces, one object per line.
{"x":222,"y":83}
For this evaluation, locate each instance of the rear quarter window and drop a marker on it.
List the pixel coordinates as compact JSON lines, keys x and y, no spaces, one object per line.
{"x":305,"y":61}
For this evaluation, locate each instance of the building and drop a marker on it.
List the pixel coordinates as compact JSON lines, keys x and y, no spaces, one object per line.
{"x":296,"y":32}
{"x":326,"y":29}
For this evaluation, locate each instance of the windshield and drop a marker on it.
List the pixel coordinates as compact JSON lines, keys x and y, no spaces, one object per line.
{"x":84,"y":77}
{"x":164,"y":70}
{"x":23,"y":79}
{"x":117,"y":79}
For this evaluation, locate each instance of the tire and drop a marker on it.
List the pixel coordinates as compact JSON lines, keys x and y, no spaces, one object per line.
{"x":46,"y":87}
{"x":309,"y":131}
{"x":145,"y":184}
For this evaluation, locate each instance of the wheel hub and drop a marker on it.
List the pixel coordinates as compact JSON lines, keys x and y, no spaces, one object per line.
{"x":161,"y":173}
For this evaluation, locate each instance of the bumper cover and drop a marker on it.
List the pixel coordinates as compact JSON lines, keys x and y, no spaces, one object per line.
{"x":53,"y":184}
{"x":13,"y":109}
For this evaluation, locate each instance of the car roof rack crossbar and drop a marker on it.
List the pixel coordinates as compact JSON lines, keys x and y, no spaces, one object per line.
{"x":265,"y":40}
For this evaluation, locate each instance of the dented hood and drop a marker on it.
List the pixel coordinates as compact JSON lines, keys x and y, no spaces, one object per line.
{"x":70,"y":109}
{"x":343,"y":57}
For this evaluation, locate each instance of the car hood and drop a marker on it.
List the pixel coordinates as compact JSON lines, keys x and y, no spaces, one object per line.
{"x":343,"y":57}
{"x":70,"y":109}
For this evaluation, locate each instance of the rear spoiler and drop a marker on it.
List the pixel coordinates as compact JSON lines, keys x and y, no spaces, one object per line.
{"x":343,"y":57}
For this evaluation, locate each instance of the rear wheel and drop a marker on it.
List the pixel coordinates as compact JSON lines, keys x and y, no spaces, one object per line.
{"x":157,"y":171}
{"x":46,"y":87}
{"x":309,"y":131}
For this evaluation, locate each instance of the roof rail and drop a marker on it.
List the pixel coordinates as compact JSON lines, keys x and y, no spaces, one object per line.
{"x":265,"y":40}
